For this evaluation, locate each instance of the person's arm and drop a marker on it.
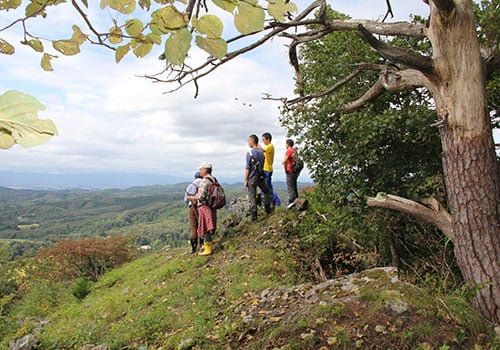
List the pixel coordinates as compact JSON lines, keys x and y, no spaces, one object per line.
{"x":247,"y":173}
{"x":247,"y":169}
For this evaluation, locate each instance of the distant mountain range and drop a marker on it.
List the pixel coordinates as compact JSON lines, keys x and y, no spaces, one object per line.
{"x":83,"y":180}
{"x":31,"y":180}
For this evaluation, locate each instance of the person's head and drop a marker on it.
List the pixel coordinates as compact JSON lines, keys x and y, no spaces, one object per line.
{"x":197,"y":175}
{"x":267,"y":138}
{"x":289,"y":143}
{"x":253,"y":140}
{"x":205,"y":168}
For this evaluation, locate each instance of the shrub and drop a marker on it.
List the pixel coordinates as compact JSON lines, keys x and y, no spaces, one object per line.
{"x":81,"y":288}
{"x":91,"y":257}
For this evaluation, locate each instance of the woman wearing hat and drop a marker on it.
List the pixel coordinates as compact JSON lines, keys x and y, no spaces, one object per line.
{"x":207,"y":217}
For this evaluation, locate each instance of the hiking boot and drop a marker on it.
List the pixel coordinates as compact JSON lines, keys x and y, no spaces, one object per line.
{"x":194,"y":245}
{"x":207,"y":249}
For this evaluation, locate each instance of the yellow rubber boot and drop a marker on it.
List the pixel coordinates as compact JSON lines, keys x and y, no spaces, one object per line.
{"x":207,"y":249}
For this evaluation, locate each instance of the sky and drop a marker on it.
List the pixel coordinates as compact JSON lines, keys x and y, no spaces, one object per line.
{"x":111,"y":120}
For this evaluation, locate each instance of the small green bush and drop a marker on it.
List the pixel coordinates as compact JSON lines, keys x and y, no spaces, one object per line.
{"x":81,"y":288}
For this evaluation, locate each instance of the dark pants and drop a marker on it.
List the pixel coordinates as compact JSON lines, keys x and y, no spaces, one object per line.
{"x":253,"y":183}
{"x":291,"y":184}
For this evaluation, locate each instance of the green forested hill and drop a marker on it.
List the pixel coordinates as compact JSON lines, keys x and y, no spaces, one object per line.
{"x":155,"y":215}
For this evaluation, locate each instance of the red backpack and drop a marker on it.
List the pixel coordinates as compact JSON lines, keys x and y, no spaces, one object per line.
{"x":216,"y":196}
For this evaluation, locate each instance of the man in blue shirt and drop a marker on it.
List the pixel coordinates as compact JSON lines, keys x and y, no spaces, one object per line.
{"x":254,"y":177}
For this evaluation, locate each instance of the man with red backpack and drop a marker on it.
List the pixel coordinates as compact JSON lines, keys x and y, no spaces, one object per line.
{"x":291,"y":175}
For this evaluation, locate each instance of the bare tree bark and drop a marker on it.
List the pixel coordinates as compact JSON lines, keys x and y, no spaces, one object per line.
{"x":470,"y":166}
{"x":435,"y":215}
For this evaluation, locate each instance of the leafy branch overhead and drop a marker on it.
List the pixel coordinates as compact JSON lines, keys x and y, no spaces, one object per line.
{"x":139,"y":25}
{"x":19,"y":123}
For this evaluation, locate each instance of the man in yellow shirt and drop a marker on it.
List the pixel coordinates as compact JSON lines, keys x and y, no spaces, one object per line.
{"x":268,"y":149}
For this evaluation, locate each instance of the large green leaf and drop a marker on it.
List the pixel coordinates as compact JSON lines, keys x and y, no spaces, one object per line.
{"x":19,"y":123}
{"x":209,"y":25}
{"x":6,"y":48}
{"x":250,"y":17}
{"x":228,"y":5}
{"x":167,"y":19}
{"x":66,"y":47}
{"x":34,"y":44}
{"x":134,"y":27}
{"x":216,"y":47}
{"x":115,"y":35}
{"x":142,"y":47}
{"x":278,"y":9}
{"x":177,"y":46}
{"x":121,"y":51}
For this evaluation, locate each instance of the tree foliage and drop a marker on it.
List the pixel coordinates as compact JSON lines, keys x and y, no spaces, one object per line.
{"x":389,"y":146}
{"x":178,"y":25}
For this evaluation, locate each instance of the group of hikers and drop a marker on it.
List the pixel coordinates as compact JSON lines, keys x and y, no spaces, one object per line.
{"x":258,"y":175}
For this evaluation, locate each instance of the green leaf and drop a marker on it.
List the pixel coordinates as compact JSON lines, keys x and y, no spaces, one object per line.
{"x":143,"y":49}
{"x":177,"y":46}
{"x":167,"y":19}
{"x":78,"y":37}
{"x":34,"y":44}
{"x":216,"y":47}
{"x":19,"y":122}
{"x":250,"y":17}
{"x":134,"y":27}
{"x":209,"y":25}
{"x":115,"y":35}
{"x":66,"y":47}
{"x":45,"y":63}
{"x":122,"y":6}
{"x":121,"y":51}
{"x":9,"y":4}
{"x":278,"y":9}
{"x":227,"y":5}
{"x":154,"y":38}
{"x":6,"y":48}
{"x":35,"y":8}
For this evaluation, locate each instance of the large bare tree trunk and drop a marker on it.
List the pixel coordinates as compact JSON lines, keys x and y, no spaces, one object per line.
{"x":470,"y":166}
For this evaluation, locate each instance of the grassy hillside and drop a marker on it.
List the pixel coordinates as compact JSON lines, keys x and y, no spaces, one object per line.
{"x":256,"y":292}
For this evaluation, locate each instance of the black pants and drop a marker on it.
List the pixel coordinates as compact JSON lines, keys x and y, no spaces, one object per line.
{"x":253,"y":183}
{"x":291,"y":184}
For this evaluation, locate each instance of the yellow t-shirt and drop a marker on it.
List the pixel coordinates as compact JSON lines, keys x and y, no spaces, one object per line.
{"x":268,"y":157}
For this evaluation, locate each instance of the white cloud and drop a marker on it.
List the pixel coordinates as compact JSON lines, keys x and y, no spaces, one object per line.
{"x":110,"y":119}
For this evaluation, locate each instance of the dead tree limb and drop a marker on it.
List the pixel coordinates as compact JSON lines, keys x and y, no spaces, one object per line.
{"x":433,"y":214}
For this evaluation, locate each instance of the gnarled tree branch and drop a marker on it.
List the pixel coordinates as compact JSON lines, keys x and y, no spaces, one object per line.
{"x":433,"y":214}
{"x":395,"y":54}
{"x":390,"y":79}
